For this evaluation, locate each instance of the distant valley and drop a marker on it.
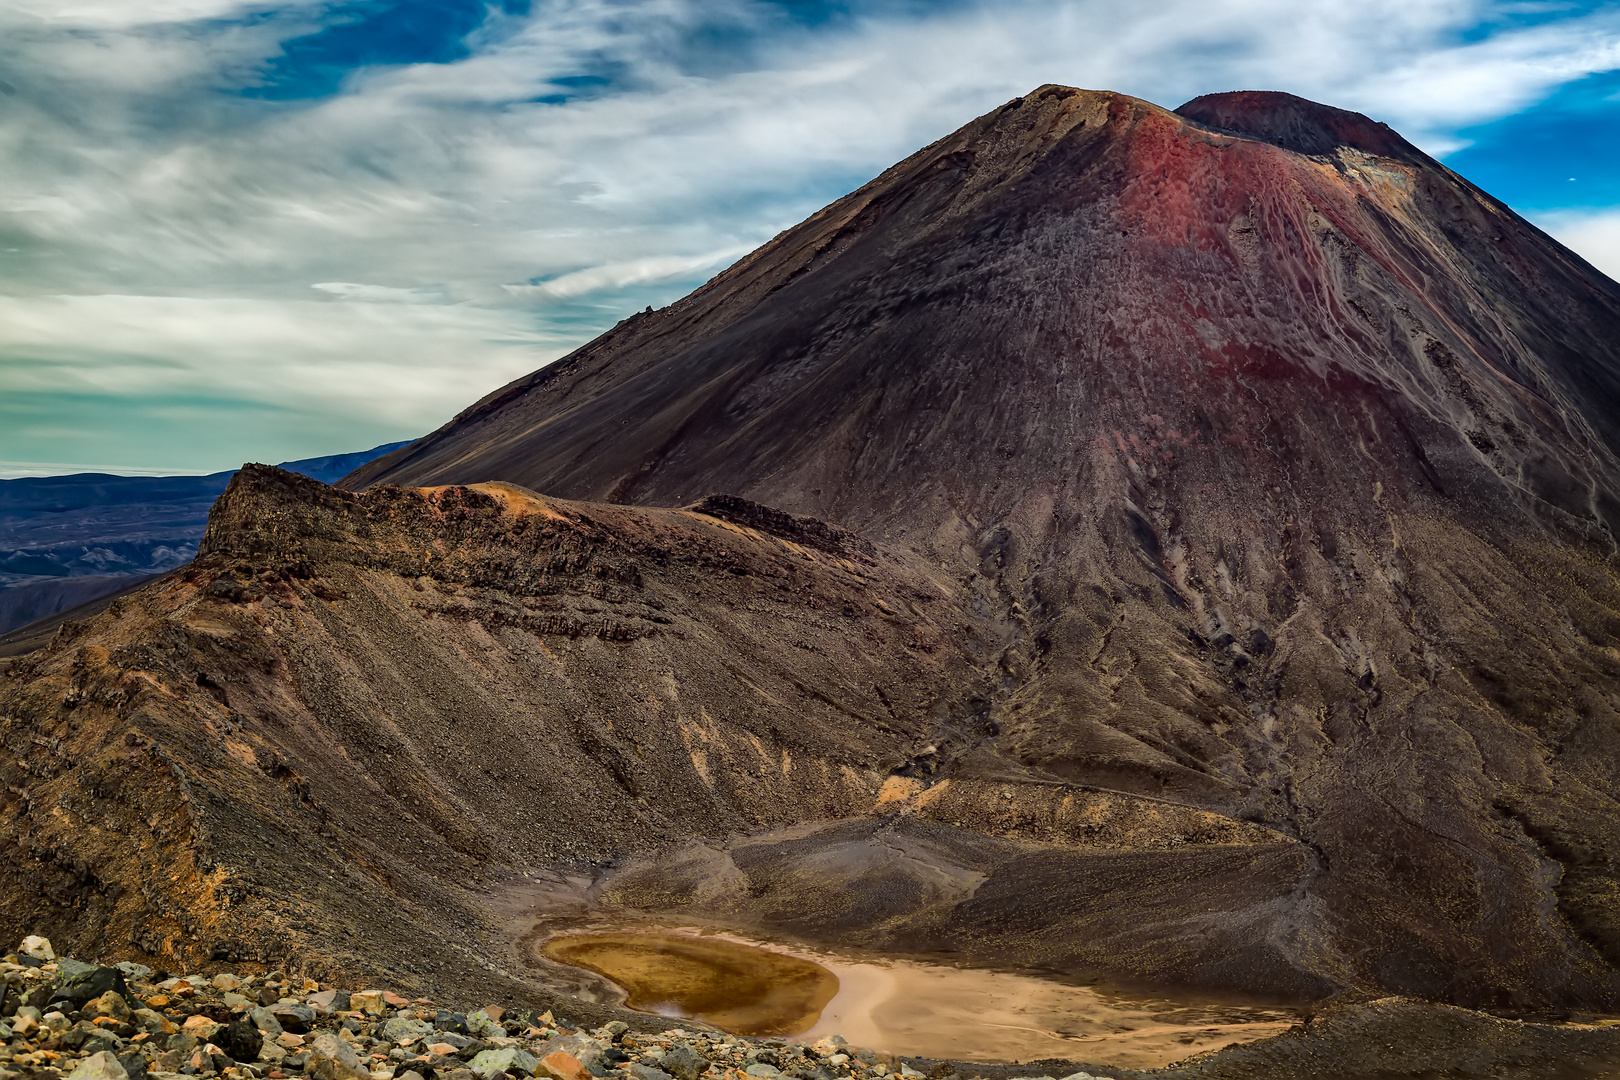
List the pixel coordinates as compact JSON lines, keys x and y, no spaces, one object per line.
{"x":67,"y":540}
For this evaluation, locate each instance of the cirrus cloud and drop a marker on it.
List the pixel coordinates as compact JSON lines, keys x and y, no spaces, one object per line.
{"x":261,"y":207}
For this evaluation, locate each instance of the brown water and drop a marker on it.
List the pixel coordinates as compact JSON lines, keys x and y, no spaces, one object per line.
{"x":904,"y":1006}
{"x":736,"y":987}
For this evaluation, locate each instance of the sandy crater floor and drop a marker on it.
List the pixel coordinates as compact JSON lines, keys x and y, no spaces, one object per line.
{"x":912,"y":1007}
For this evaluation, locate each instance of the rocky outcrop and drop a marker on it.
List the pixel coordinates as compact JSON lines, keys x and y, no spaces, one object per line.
{"x":350,"y":704}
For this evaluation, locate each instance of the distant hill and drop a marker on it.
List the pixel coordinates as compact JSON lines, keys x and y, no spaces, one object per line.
{"x":67,"y":540}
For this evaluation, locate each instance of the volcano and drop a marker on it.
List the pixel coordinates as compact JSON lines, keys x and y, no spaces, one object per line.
{"x":1281,"y":460}
{"x":1189,"y":537}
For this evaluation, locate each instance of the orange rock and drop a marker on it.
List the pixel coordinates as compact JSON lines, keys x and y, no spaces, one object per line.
{"x":394,"y":1001}
{"x":157,"y":1001}
{"x":560,"y":1066}
{"x":369,"y":1002}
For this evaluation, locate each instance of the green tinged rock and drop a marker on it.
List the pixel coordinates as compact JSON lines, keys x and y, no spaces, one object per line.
{"x":510,"y":1059}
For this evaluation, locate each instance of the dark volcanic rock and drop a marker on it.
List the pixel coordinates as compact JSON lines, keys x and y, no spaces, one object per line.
{"x":241,"y":1040}
{"x":68,"y":540}
{"x":88,"y":984}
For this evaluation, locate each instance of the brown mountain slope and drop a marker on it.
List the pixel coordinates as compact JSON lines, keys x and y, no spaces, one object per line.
{"x":1260,"y":496}
{"x":408,"y":694}
{"x":324,"y":743}
{"x":1281,"y":460}
{"x":992,"y":314}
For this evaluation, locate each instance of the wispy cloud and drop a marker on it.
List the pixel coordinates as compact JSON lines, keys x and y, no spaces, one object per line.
{"x":655,"y":268}
{"x":1593,"y":233}
{"x":258,"y":202}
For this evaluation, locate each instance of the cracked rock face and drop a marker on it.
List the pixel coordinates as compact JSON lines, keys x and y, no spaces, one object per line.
{"x":1242,"y":461}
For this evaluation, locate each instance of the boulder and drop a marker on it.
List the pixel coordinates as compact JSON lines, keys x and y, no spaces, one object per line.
{"x":369,"y":1002}
{"x":405,"y":1027}
{"x":265,"y":1021}
{"x":559,"y":1065}
{"x":37,"y":947}
{"x":241,"y":1041}
{"x":86,"y":1038}
{"x":87,"y":985}
{"x":329,"y":1001}
{"x":100,"y":1066}
{"x":110,"y":1004}
{"x":512,"y":1059}
{"x":201,"y":1027}
{"x":152,"y":1022}
{"x":586,"y":1050}
{"x":134,"y":1064}
{"x":292,"y":1016}
{"x":330,"y":1058}
{"x":684,"y":1063}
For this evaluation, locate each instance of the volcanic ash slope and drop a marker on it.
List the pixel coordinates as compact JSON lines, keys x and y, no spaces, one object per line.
{"x":1279,"y":461}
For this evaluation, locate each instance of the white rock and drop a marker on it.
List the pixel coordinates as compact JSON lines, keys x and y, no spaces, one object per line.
{"x":37,"y":947}
{"x":99,"y":1066}
{"x":331,"y":1058}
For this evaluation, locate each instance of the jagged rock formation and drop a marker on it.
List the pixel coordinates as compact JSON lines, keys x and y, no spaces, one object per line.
{"x":1242,"y":460}
{"x":66,"y":541}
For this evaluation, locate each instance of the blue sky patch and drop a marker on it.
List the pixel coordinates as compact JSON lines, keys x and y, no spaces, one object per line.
{"x":371,"y":33}
{"x":1563,"y":152}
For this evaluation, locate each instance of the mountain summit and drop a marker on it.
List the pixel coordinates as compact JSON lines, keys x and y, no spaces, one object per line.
{"x":1187,"y":538}
{"x":977,"y":325}
{"x":1282,"y":460}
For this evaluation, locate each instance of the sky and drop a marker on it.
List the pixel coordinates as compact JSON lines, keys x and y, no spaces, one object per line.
{"x":259,"y":231}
